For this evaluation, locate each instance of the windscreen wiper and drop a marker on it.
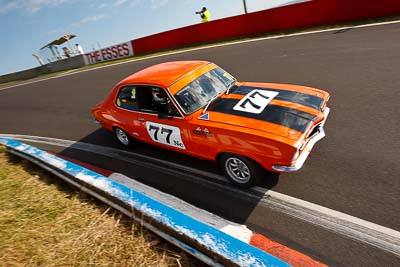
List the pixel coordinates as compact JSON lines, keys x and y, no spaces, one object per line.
{"x":230,"y":86}
{"x":209,"y":102}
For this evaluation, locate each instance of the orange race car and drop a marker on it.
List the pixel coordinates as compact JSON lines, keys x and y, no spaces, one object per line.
{"x":197,"y":108}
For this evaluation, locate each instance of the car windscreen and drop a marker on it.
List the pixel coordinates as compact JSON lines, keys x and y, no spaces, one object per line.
{"x":197,"y":93}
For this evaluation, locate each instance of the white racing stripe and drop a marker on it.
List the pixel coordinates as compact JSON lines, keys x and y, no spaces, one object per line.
{"x":346,"y":225}
{"x":72,"y":72}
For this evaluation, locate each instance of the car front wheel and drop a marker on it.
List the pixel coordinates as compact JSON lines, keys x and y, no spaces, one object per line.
{"x":241,"y":171}
{"x":123,"y":137}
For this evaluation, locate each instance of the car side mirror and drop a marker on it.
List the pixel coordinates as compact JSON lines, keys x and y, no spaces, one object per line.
{"x":163,"y":116}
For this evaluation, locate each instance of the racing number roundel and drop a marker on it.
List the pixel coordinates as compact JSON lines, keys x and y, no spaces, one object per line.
{"x":255,"y":101}
{"x":165,"y":134}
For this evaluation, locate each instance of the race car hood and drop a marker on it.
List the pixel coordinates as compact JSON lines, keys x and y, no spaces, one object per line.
{"x":289,"y":112}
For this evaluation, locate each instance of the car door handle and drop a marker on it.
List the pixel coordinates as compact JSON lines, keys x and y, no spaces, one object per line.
{"x":140,"y":119}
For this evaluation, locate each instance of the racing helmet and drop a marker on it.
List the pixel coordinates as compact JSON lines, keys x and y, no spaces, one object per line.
{"x":159,"y":96}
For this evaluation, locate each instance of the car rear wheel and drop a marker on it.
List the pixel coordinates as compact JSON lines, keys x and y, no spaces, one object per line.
{"x":123,"y":137}
{"x":241,"y":171}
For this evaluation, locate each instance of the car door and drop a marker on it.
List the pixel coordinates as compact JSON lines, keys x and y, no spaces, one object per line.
{"x":127,"y":111}
{"x":160,"y":122}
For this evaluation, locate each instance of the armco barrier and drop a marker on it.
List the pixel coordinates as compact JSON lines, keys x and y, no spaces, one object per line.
{"x":24,"y":75}
{"x":60,"y":65}
{"x":66,"y":64}
{"x":306,"y":14}
{"x":207,"y":243}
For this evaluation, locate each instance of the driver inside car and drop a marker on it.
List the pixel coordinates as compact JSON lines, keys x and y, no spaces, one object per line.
{"x":162,"y":103}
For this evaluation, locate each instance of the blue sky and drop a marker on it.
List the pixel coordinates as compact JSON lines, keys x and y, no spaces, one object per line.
{"x":27,"y":25}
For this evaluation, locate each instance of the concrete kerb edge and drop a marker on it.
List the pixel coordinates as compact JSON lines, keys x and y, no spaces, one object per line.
{"x":204,"y":242}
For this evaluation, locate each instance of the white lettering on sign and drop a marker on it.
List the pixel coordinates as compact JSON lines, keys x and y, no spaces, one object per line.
{"x":255,"y":101}
{"x":165,"y":134}
{"x":109,"y":53}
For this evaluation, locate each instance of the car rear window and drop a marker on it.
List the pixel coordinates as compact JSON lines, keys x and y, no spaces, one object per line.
{"x":127,"y":98}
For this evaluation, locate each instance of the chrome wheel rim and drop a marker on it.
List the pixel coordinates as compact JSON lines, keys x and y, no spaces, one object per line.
{"x":237,"y":170}
{"x":122,"y":136}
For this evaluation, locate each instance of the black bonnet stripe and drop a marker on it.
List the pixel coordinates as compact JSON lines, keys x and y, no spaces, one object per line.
{"x":285,"y":95}
{"x":288,"y":117}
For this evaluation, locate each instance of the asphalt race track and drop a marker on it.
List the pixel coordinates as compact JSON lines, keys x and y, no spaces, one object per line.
{"x":354,"y":170}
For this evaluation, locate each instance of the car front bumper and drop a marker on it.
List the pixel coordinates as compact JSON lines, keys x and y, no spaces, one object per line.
{"x":307,"y":150}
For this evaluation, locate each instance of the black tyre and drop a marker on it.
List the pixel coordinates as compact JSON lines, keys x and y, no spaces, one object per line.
{"x":241,"y":171}
{"x":123,"y":137}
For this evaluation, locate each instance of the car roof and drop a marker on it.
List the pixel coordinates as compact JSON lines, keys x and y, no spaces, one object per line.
{"x":163,"y":74}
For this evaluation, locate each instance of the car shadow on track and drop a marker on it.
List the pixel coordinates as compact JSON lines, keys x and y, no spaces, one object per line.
{"x":171,"y":172}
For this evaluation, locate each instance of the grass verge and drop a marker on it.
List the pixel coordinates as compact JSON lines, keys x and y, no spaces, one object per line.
{"x":46,"y":222}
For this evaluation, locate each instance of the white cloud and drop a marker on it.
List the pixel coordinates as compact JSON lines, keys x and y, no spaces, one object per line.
{"x":90,"y":19}
{"x":28,"y":5}
{"x":56,"y":31}
{"x":59,"y":31}
{"x":134,"y":3}
{"x":117,"y":3}
{"x":102,"y":5}
{"x":154,"y":4}
{"x":120,"y":2}
{"x":8,"y":6}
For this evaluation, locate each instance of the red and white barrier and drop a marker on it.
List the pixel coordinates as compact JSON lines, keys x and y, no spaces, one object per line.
{"x":109,"y":53}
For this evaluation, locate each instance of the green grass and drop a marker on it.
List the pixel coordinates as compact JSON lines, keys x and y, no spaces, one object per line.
{"x":45,"y":222}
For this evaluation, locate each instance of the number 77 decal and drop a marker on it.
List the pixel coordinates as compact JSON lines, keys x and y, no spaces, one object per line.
{"x":255,"y":101}
{"x":165,"y":134}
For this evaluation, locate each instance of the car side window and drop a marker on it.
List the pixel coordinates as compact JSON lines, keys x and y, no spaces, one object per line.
{"x":127,"y":98}
{"x":144,"y":97}
{"x":155,"y":100}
